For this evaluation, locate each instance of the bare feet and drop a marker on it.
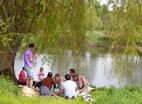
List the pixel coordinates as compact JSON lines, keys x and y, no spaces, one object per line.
{"x":54,"y":95}
{"x":36,"y":89}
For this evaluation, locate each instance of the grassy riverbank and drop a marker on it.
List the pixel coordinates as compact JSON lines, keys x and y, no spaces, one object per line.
{"x":98,"y":39}
{"x":10,"y":94}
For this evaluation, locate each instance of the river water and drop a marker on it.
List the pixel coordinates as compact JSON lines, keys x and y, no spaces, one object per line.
{"x":96,"y":67}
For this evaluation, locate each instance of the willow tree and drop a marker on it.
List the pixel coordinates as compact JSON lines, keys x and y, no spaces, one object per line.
{"x":54,"y":25}
{"x":124,"y":24}
{"x":17,"y":18}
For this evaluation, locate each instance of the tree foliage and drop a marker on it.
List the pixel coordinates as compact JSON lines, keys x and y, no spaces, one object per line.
{"x":53,"y":25}
{"x":56,"y":26}
{"x":124,"y":25}
{"x":62,"y":26}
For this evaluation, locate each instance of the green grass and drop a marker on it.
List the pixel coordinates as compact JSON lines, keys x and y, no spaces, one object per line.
{"x":36,"y":100}
{"x":126,"y":95}
{"x":7,"y":87}
{"x":98,"y":37}
{"x":10,"y":94}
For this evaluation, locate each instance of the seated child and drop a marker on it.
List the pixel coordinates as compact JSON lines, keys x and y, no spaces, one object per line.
{"x":41,"y":74}
{"x":22,"y":77}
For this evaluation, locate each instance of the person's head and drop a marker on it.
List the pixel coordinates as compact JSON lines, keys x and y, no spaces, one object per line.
{"x":75,"y":77}
{"x":72,"y":71}
{"x":41,"y":69}
{"x":57,"y":77}
{"x":31,"y":46}
{"x":67,"y":77}
{"x":23,"y":68}
{"x":49,"y":74}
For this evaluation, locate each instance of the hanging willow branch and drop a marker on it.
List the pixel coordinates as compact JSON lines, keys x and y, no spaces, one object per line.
{"x":62,"y":25}
{"x":125,"y":28}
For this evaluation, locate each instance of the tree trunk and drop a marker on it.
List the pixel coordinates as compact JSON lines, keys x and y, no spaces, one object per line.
{"x":7,"y":59}
{"x":5,"y":67}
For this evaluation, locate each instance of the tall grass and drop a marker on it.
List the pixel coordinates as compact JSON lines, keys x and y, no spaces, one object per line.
{"x":7,"y":87}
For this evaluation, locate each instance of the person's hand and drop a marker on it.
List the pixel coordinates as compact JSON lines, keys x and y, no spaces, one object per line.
{"x":80,"y":91}
{"x":36,"y":55}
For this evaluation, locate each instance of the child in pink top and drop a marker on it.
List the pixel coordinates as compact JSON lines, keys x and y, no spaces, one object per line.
{"x":41,"y":74}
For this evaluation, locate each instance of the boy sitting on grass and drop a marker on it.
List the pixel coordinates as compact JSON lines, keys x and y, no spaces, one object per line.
{"x":68,"y":88}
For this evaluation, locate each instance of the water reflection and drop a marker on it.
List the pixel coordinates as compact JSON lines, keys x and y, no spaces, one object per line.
{"x":96,"y":66}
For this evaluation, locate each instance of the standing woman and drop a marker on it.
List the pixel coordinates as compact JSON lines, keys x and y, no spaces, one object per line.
{"x":47,"y":86}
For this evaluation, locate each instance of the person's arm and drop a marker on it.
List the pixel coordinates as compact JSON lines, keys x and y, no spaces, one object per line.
{"x":61,"y":90}
{"x":38,"y":74}
{"x":84,"y":83}
{"x":20,"y":76}
{"x":33,"y":57}
{"x":61,"y":80}
{"x":53,"y":82}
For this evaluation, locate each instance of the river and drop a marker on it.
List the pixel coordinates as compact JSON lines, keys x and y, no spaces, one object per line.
{"x":96,"y":66}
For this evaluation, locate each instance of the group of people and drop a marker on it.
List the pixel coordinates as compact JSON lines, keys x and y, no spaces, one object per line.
{"x":73,"y":85}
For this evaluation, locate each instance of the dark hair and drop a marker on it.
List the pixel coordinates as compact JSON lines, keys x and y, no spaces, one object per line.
{"x":75,"y":75}
{"x":31,"y":45}
{"x":49,"y":74}
{"x":72,"y":70}
{"x":57,"y":75}
{"x":23,"y":68}
{"x":68,"y":77}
